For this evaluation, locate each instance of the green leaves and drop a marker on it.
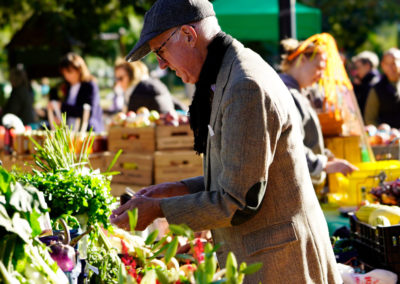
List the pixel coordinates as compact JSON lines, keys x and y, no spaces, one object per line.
{"x":133,"y":217}
{"x":74,"y":192}
{"x":151,"y":238}
{"x":252,"y":268}
{"x":171,"y":250}
{"x":182,"y":230}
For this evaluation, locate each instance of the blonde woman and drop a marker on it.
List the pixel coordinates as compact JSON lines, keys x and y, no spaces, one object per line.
{"x":78,"y":90}
{"x":302,"y":70}
{"x":140,"y":89}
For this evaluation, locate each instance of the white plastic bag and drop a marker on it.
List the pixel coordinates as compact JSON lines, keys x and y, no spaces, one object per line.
{"x":376,"y":276}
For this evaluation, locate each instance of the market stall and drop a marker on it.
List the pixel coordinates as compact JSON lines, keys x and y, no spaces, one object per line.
{"x":62,"y":188}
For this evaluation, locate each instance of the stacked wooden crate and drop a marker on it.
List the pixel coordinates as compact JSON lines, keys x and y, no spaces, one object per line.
{"x":175,"y":158}
{"x":153,"y":155}
{"x":136,"y":161}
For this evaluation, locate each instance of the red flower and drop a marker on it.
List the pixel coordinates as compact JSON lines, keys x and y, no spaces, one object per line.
{"x":198,"y":251}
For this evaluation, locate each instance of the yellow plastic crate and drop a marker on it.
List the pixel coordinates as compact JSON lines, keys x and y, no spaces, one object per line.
{"x":347,"y":191}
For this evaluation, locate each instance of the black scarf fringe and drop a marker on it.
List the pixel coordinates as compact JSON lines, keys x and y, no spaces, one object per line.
{"x":200,"y":109}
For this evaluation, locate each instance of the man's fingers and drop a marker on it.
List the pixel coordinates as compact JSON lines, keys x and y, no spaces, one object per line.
{"x":122,"y":208}
{"x":121,"y":221}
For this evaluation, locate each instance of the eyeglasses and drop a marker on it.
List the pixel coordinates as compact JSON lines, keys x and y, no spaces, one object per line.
{"x":157,"y":51}
{"x":120,"y":78}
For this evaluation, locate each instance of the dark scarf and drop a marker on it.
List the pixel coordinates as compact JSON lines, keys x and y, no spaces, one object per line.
{"x":200,"y":109}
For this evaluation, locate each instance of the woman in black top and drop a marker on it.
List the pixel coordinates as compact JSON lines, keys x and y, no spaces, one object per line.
{"x":20,"y":102}
{"x":140,"y":90}
{"x":79,"y":89}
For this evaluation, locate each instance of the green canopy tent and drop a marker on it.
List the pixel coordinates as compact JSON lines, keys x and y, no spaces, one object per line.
{"x":258,"y":20}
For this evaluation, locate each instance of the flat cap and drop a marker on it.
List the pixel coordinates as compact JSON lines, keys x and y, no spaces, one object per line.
{"x":369,"y":56}
{"x":164,"y":15}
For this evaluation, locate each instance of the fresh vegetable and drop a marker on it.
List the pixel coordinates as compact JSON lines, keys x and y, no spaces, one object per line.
{"x":62,"y":252}
{"x":23,"y":259}
{"x":365,"y":211}
{"x":69,"y":185}
{"x":392,"y":213}
{"x":74,"y":192}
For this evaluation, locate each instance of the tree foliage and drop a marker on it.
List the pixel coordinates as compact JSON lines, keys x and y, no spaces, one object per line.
{"x":84,"y":20}
{"x":351,"y":22}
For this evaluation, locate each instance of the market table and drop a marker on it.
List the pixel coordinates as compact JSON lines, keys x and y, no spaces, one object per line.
{"x":334,"y":218}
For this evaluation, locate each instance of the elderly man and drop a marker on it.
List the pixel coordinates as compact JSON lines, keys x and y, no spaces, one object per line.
{"x":365,"y":75}
{"x":256,"y":194}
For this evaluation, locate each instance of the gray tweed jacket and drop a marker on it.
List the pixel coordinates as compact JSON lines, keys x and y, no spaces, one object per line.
{"x":256,"y":194}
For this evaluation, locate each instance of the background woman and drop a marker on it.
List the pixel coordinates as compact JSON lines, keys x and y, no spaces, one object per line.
{"x":140,"y":89}
{"x":299,"y":72}
{"x":80,"y":89}
{"x":20,"y":102}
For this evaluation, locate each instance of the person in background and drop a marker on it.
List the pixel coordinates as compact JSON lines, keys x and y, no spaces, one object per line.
{"x":20,"y":102}
{"x":79,"y":89}
{"x":383,"y":102}
{"x":365,"y":75}
{"x":256,"y":193}
{"x":300,"y":72}
{"x":140,"y":90}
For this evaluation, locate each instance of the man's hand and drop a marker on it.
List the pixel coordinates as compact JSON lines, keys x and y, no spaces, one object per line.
{"x":148,"y":210}
{"x":168,"y":189}
{"x":339,"y":166}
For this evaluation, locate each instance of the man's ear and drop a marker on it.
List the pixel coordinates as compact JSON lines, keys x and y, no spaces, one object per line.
{"x":190,"y":35}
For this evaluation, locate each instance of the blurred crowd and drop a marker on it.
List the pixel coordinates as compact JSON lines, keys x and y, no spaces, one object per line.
{"x":376,"y":86}
{"x":76,"y":93}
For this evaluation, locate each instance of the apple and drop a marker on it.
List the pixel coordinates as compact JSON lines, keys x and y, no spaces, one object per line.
{"x":371,"y":129}
{"x":154,"y":116}
{"x":384,"y":127}
{"x":119,"y":118}
{"x":143,"y":110}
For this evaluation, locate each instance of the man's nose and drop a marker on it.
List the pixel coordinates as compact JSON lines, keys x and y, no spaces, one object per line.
{"x":163,"y":64}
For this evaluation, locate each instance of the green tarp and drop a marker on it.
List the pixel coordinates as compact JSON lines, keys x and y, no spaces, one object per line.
{"x":258,"y":20}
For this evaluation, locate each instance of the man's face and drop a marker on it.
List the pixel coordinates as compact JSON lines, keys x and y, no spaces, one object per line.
{"x":173,"y":50}
{"x":391,"y":67}
{"x":361,"y":69}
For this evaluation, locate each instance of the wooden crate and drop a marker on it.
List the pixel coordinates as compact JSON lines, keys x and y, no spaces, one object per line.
{"x":345,"y":147}
{"x":135,"y":140}
{"x":100,"y":161}
{"x":135,"y":169}
{"x":8,"y":161}
{"x":176,"y":165}
{"x":174,"y":137}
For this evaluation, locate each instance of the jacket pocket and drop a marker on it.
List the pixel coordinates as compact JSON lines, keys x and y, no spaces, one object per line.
{"x":270,"y":237}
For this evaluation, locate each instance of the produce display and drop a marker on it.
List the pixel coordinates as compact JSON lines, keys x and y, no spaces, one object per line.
{"x":144,"y":117}
{"x":387,"y":193}
{"x":382,"y":135}
{"x":23,"y":258}
{"x":66,"y":192}
{"x":378,"y":214}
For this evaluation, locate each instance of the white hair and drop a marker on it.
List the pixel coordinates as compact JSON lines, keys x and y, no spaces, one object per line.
{"x":207,"y":27}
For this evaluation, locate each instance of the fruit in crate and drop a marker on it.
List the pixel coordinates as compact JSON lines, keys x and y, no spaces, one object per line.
{"x":391,"y":213}
{"x":365,"y":211}
{"x":154,"y":116}
{"x":387,"y":192}
{"x":143,"y":110}
{"x":119,"y":118}
{"x":383,"y":135}
{"x":378,"y":214}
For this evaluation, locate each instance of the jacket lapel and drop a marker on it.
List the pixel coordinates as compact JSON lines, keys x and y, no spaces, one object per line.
{"x":222,"y":80}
